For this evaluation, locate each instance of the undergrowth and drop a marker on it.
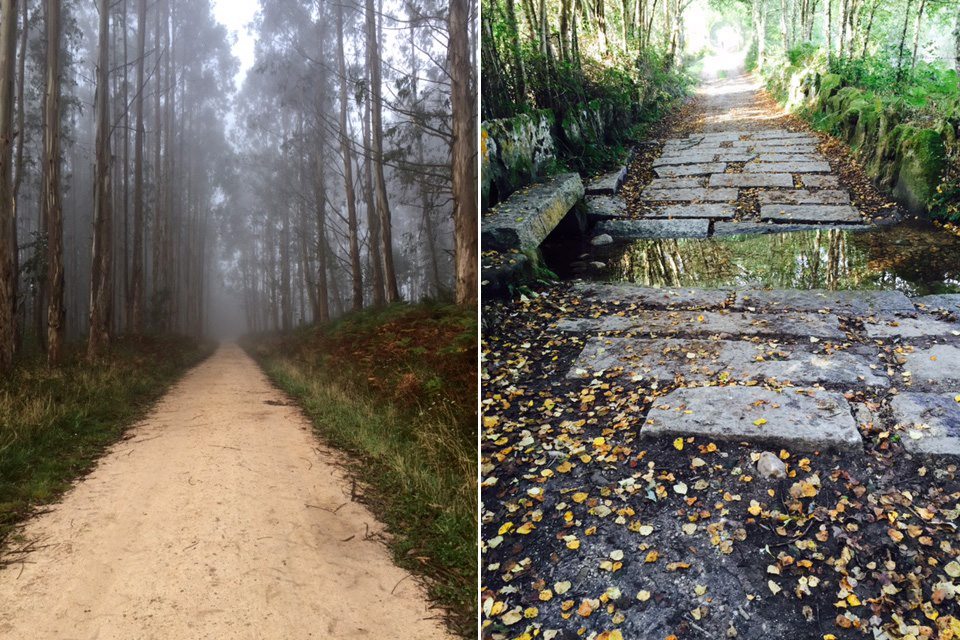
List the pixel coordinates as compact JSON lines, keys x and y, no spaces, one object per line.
{"x":396,"y":389}
{"x":55,"y":423}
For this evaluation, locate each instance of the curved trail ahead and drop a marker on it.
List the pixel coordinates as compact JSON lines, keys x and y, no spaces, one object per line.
{"x":221,"y":516}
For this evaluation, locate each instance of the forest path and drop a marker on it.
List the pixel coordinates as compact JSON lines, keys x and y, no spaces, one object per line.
{"x":220,"y":516}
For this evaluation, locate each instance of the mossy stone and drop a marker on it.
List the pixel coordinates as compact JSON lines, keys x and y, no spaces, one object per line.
{"x":924,"y":159}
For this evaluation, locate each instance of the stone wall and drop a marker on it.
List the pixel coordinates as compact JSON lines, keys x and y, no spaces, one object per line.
{"x":905,"y":159}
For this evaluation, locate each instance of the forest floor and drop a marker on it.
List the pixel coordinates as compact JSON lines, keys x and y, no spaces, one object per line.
{"x":219,"y":516}
{"x":664,"y":464}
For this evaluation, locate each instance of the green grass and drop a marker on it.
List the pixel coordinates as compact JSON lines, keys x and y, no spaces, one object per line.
{"x":396,"y":389}
{"x":55,"y":423}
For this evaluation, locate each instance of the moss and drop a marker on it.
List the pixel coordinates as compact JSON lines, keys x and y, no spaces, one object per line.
{"x":923,"y":163}
{"x":829,"y":84}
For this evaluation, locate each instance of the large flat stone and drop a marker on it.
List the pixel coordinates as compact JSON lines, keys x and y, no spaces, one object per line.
{"x":699,"y":194}
{"x":782,"y":134}
{"x":654,"y":229}
{"x":788,"y":167}
{"x":676,"y":183}
{"x":718,"y":136}
{"x":789,"y":157}
{"x":736,"y":155}
{"x":607,"y":184}
{"x":848,"y":303}
{"x":797,"y":421}
{"x":687,"y":157}
{"x":751,"y":180}
{"x":931,"y":421}
{"x":820,"y":182}
{"x":745,"y":227}
{"x":810,"y":213}
{"x":936,"y":366}
{"x":804,"y":196}
{"x":653,"y":298}
{"x":606,"y":207}
{"x":528,"y":216}
{"x":690,"y":170}
{"x":711,"y":323}
{"x":664,"y":359}
{"x":713,"y":211}
{"x":945,"y":302}
{"x":783,"y":148}
{"x":909,"y":328}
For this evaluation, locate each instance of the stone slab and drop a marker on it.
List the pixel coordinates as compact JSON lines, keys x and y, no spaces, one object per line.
{"x":664,"y":359}
{"x":909,"y":328}
{"x":820,"y":182}
{"x":937,"y":365}
{"x":654,"y":229}
{"x":607,"y":184}
{"x":686,"y":157}
{"x":788,"y":167}
{"x":789,"y":157}
{"x":931,"y":422}
{"x":769,"y":148}
{"x":746,"y":227}
{"x":797,"y":421}
{"x":945,"y":302}
{"x":605,"y":206}
{"x":735,"y":155}
{"x":751,"y":180}
{"x":698,"y":194}
{"x":810,"y":213}
{"x":676,"y":183}
{"x":713,"y":211}
{"x":781,"y":134}
{"x":847,"y":303}
{"x":803,"y":196}
{"x":690,"y":170}
{"x":653,"y":298}
{"x":528,"y":216}
{"x":710,"y":323}
{"x":718,"y":136}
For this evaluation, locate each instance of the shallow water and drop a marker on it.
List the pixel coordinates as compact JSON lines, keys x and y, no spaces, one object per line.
{"x":915,"y":258}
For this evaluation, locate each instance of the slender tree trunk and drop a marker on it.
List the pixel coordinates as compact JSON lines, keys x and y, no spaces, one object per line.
{"x":903,"y":40}
{"x":464,"y":156}
{"x":100,"y":289}
{"x":373,"y":216}
{"x":136,"y":310}
{"x":56,"y":311}
{"x":866,"y":35}
{"x":916,"y":34}
{"x":8,"y":203}
{"x":348,"y":169}
{"x":380,"y":183}
{"x":844,"y":8}
{"x":519,"y":71}
{"x":956,"y":43}
{"x":828,"y":27}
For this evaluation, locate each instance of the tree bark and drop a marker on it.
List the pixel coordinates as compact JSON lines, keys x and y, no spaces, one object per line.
{"x":903,"y":40}
{"x":373,"y":216}
{"x":784,"y":34}
{"x":828,"y":6}
{"x":348,"y":170}
{"x":8,"y":203}
{"x":956,"y":43}
{"x":100,"y":290}
{"x":53,"y":205}
{"x":137,"y":284}
{"x":380,"y":183}
{"x":464,"y":156}
{"x":916,"y":34}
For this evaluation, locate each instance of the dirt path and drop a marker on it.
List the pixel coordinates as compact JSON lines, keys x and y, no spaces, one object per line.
{"x":221,"y":517}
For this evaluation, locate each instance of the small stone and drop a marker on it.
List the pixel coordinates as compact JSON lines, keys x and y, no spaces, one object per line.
{"x":731,"y":631}
{"x":598,"y":265}
{"x":770,"y":466}
{"x":602,"y":239}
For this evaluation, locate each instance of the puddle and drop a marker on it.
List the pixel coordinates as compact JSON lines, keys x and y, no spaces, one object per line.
{"x":915,"y":258}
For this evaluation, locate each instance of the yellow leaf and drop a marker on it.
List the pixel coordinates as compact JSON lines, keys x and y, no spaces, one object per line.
{"x":678,"y":444}
{"x":760,"y":422}
{"x":573,"y":545}
{"x":507,"y":526}
{"x":579,"y":497}
{"x":525,"y":528}
{"x":490,"y":421}
{"x":643,"y":595}
{"x":754,"y":508}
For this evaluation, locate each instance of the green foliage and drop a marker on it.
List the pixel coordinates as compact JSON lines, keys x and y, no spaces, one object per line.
{"x":396,"y":389}
{"x":55,"y":423}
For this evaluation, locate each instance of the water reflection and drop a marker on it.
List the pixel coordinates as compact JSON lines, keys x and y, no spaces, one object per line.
{"x":916,"y":259}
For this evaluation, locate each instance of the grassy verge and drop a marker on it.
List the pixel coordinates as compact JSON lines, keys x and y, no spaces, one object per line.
{"x":396,"y":389}
{"x":55,"y":423}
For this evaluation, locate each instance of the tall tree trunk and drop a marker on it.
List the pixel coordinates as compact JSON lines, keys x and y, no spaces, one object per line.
{"x":903,"y":40}
{"x":100,"y":289}
{"x":916,"y":34}
{"x":53,"y":206}
{"x":137,"y":286}
{"x":8,"y":203}
{"x":373,"y":216}
{"x":828,"y":26}
{"x":464,"y":156}
{"x":520,"y":75}
{"x":956,"y":43}
{"x":784,"y":33}
{"x":380,"y":183}
{"x":348,"y":169}
{"x":866,"y":35}
{"x":844,"y":9}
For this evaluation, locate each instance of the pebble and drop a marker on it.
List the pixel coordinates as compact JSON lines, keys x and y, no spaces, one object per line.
{"x":770,"y":466}
{"x":602,"y":239}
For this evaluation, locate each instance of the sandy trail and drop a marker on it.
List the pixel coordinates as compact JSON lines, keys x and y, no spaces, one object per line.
{"x":221,"y":517}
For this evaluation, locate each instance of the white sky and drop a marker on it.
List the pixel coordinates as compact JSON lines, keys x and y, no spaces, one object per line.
{"x":236,"y":15}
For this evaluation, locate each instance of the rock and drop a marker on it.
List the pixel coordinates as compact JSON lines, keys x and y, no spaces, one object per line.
{"x":514,"y":152}
{"x":937,"y":365}
{"x":820,"y":182}
{"x":909,"y":328}
{"x":713,"y":211}
{"x":607,"y":184}
{"x":854,"y":303}
{"x":653,"y":298}
{"x":751,"y":180}
{"x":690,"y":170}
{"x":770,"y":466}
{"x":690,"y":195}
{"x":603,"y":207}
{"x":788,"y":167}
{"x":804,"y":196}
{"x":686,"y":157}
{"x":810,"y":213}
{"x":527,"y":217}
{"x":598,"y":265}
{"x":931,"y":421}
{"x":601,"y":240}
{"x":655,"y":229}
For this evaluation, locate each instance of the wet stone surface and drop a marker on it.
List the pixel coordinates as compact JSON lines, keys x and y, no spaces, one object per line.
{"x":653,"y":229}
{"x":931,"y":422}
{"x":810,"y":213}
{"x":712,"y":211}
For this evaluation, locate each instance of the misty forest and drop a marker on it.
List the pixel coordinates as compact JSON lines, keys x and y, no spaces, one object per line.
{"x":294,"y":178}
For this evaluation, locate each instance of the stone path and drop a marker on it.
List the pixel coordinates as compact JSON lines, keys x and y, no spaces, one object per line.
{"x":778,"y":367}
{"x":742,"y":174}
